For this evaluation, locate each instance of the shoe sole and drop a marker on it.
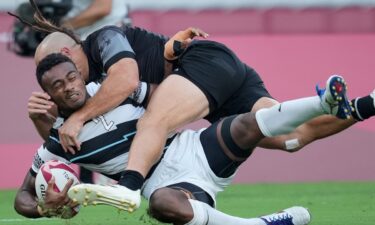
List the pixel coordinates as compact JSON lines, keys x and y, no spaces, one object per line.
{"x":337,"y":89}
{"x":308,"y":221}
{"x":88,"y":196}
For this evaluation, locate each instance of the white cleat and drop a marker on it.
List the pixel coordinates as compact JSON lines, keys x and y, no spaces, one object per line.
{"x":296,"y":215}
{"x":373,"y":96}
{"x":333,"y":98}
{"x":113,"y":195}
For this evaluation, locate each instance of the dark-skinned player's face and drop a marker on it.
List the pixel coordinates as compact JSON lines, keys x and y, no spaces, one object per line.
{"x":65,"y":86}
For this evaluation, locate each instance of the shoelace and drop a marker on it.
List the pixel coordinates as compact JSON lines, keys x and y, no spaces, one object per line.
{"x":283,"y":219}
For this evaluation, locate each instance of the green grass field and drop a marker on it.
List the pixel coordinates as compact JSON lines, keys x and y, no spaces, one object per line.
{"x":329,"y":203}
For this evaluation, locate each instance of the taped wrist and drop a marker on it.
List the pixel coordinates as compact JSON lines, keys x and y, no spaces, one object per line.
{"x":177,"y":48}
{"x":140,"y":94}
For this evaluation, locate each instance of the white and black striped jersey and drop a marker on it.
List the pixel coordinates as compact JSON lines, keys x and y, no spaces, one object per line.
{"x":105,"y":141}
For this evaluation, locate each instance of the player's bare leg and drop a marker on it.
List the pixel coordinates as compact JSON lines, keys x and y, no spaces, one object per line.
{"x":174,"y":206}
{"x":317,"y":128}
{"x":175,"y":103}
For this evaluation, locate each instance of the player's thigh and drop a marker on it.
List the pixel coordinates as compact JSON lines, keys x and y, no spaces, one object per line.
{"x":176,"y":102}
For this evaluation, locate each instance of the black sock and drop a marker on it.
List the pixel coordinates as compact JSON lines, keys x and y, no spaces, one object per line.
{"x":364,"y":108}
{"x":131,"y":179}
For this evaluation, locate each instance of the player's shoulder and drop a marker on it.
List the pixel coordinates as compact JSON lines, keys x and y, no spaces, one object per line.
{"x":103,"y":35}
{"x":108,"y":28}
{"x":108,"y":31}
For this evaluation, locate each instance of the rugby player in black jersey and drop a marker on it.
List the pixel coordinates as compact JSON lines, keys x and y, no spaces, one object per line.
{"x":195,"y":166}
{"x":196,"y":88}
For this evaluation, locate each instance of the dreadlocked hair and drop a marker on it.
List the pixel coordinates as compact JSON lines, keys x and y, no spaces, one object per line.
{"x":41,"y":24}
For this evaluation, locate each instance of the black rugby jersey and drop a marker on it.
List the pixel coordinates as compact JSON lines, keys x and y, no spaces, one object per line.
{"x":109,"y":44}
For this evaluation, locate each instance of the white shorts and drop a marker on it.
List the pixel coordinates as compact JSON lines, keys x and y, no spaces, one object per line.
{"x":185,"y":161}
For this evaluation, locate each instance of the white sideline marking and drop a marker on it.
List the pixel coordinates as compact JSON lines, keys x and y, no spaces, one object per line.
{"x":23,"y":220}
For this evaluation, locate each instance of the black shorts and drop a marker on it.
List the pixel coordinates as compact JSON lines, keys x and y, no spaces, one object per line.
{"x":243,"y":100}
{"x":230,"y":86}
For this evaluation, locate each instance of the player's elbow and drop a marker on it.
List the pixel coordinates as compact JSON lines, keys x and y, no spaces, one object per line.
{"x":128,"y":77}
{"x":17,"y":207}
{"x":20,"y":209}
{"x":133,"y":83}
{"x":24,"y":210}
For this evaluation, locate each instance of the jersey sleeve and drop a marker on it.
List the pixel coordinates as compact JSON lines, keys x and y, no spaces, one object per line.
{"x":50,"y":150}
{"x":113,"y":46}
{"x":92,"y":88}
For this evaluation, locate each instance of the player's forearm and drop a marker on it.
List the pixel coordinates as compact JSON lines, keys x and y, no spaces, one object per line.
{"x":26,"y":204}
{"x":113,"y":91}
{"x":96,"y":11}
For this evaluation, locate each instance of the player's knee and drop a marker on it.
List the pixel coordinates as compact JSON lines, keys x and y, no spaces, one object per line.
{"x":243,"y":131}
{"x":247,"y":124}
{"x":170,"y":206}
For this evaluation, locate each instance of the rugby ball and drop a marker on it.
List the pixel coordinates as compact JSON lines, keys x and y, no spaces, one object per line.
{"x":62,"y":172}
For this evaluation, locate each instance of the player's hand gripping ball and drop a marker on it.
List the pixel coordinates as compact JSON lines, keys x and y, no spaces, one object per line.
{"x":62,"y":173}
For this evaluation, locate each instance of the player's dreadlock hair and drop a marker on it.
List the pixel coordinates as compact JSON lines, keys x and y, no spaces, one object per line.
{"x":43,"y":25}
{"x":48,"y":62}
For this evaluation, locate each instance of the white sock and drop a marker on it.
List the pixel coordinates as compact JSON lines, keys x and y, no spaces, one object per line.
{"x":285,"y":117}
{"x":205,"y":214}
